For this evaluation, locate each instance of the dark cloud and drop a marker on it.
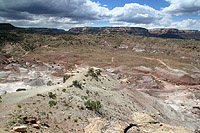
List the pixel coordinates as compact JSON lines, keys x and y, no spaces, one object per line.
{"x":180,"y":7}
{"x":12,"y":15}
{"x":74,"y":9}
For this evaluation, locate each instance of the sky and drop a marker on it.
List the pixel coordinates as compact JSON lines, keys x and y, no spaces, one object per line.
{"x":66,"y":14}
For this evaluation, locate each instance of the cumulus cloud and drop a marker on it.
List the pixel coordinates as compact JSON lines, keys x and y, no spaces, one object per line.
{"x":186,"y":24}
{"x":134,"y":14}
{"x":180,"y":7}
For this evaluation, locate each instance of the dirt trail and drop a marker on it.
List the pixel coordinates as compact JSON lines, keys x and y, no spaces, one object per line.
{"x":161,"y":62}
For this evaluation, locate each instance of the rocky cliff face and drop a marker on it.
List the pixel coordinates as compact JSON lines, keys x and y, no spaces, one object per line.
{"x":120,"y":30}
{"x":175,"y":33}
{"x":164,"y":31}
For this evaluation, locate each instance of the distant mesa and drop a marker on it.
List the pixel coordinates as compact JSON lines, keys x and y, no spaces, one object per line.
{"x":175,"y":33}
{"x":10,"y":27}
{"x":120,"y":30}
{"x":160,"y":32}
{"x":7,"y":26}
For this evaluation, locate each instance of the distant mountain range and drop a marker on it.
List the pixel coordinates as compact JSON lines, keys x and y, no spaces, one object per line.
{"x":160,"y":32}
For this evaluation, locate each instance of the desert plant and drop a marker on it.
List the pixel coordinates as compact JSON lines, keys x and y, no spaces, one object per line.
{"x":69,"y":117}
{"x":87,"y":91}
{"x":77,"y":84}
{"x":94,"y":73}
{"x":19,"y":106}
{"x":75,"y":120}
{"x":12,"y":122}
{"x":66,"y":77}
{"x":63,"y":90}
{"x":90,"y":70}
{"x":51,"y":95}
{"x":40,"y":95}
{"x":93,"y":105}
{"x":49,"y":83}
{"x":52,"y":103}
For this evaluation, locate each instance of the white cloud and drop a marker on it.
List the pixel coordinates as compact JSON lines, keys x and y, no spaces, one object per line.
{"x":136,"y":13}
{"x":180,"y":7}
{"x":43,"y":22}
{"x":186,"y":24}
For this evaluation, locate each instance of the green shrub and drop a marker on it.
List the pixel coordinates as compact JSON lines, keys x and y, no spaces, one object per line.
{"x":66,"y":77}
{"x":75,"y":120}
{"x":12,"y":122}
{"x":90,"y":70}
{"x":93,"y":105}
{"x":82,"y":108}
{"x":63,"y":90}
{"x":94,"y":73}
{"x":40,"y":95}
{"x":19,"y":106}
{"x":51,"y":95}
{"x":49,"y":83}
{"x":77,"y":84}
{"x":52,"y":103}
{"x":87,"y":91}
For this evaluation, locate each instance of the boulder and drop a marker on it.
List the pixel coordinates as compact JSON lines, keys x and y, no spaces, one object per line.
{"x":30,"y":120}
{"x":20,"y":129}
{"x":21,"y":89}
{"x":36,"y":82}
{"x":36,"y":126}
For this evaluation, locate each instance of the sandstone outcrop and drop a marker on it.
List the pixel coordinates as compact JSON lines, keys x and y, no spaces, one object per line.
{"x":140,"y":123}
